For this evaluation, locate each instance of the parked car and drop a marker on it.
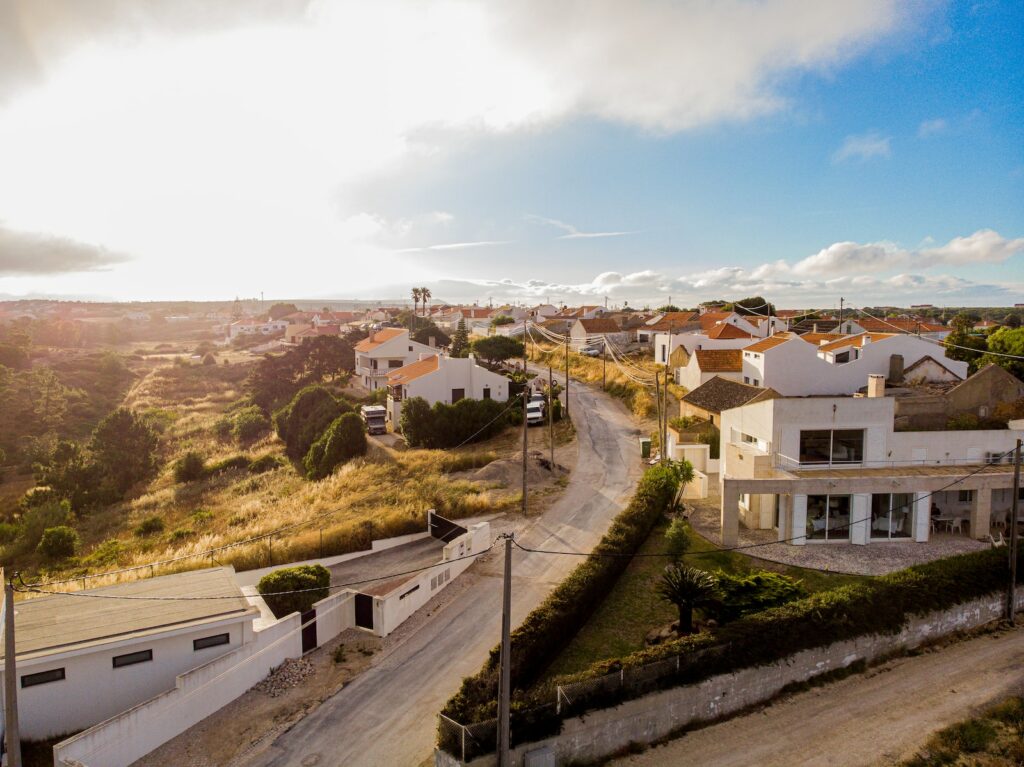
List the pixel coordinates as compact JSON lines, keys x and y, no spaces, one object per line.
{"x":539,"y":397}
{"x":534,"y":413}
{"x":590,"y":352}
{"x":375,"y":418}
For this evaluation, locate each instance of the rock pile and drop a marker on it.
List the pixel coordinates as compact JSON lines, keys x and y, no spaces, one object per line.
{"x":289,"y":674}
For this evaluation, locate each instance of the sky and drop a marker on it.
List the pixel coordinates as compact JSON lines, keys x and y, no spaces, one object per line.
{"x":531,"y":151}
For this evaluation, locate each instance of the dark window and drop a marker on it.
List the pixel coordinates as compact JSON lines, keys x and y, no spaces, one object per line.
{"x":395,"y":363}
{"x":839,"y":446}
{"x":842,"y":357}
{"x":814,"y":446}
{"x":43,"y":677}
{"x":132,"y":658}
{"x":410,"y":591}
{"x":211,"y":641}
{"x":965,"y":496}
{"x":487,"y":392}
{"x":458,"y":394}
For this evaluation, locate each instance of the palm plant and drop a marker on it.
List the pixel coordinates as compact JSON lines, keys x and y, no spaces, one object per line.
{"x":416,"y":293}
{"x":687,"y":588}
{"x":425,"y":295}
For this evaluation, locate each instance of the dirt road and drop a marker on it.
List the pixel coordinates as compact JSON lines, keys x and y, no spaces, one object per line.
{"x":878,"y":718}
{"x":387,"y":716}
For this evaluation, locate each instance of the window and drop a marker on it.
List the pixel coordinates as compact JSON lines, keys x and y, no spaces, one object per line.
{"x":965,"y":496}
{"x":746,"y":379}
{"x":392,"y":364}
{"x":842,"y":357}
{"x":211,"y":641}
{"x":663,"y":353}
{"x":410,"y":591}
{"x":458,"y":394}
{"x":132,"y":658}
{"x":823,"y":446}
{"x":756,"y":382}
{"x":43,"y":677}
{"x":828,"y":517}
{"x":487,"y":392}
{"x":892,"y":515}
{"x":410,"y":348}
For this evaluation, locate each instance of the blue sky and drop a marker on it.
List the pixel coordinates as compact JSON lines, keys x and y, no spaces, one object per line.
{"x":715,"y":151}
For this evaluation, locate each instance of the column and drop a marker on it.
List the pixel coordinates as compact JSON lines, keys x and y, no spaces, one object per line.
{"x":981,"y":512}
{"x":785,"y":522}
{"x":922,"y":516}
{"x":799,"y":518}
{"x":860,"y":518}
{"x":730,"y":513}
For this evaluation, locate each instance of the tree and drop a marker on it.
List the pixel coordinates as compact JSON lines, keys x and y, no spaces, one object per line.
{"x":279,"y":310}
{"x":1006,"y":341}
{"x":189,"y":467}
{"x":677,"y":540}
{"x":328,"y":356}
{"x":1012,"y":320}
{"x":123,"y":448}
{"x":962,"y":344}
{"x":502,"y":319}
{"x":425,"y":296}
{"x":740,"y":595}
{"x":430,"y":330}
{"x":755,"y":305}
{"x":306,"y":417}
{"x":58,"y":543}
{"x":343,"y":440}
{"x":460,"y":342}
{"x":209,"y":359}
{"x":668,"y":308}
{"x":248,"y":425}
{"x":309,"y":584}
{"x":415,"y":300}
{"x":688,"y":589}
{"x":498,"y":348}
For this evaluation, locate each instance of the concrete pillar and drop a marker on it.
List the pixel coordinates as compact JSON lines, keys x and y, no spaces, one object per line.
{"x":922,"y":517}
{"x":730,"y":513}
{"x":981,"y":513}
{"x":785,"y":510}
{"x":860,"y":518}
{"x":799,"y":520}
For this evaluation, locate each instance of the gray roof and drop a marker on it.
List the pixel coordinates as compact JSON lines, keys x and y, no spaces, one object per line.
{"x":54,"y":624}
{"x":718,"y":394}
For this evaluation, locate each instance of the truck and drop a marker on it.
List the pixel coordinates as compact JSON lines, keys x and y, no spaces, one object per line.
{"x":375,"y":418}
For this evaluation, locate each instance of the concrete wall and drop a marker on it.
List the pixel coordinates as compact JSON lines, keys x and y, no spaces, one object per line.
{"x":598,"y":734}
{"x":72,"y":703}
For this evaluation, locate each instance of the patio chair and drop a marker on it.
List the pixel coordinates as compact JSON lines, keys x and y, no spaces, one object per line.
{"x":956,"y":524}
{"x":1000,"y":519}
{"x":997,"y":543}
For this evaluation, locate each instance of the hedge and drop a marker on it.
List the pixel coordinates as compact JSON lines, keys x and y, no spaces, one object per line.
{"x":443,"y":426}
{"x":881,"y":606}
{"x":550,"y":627}
{"x":344,"y":439}
{"x":315,"y":577}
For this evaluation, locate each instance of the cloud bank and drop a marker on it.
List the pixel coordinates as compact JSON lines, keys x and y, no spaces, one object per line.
{"x":24,"y":253}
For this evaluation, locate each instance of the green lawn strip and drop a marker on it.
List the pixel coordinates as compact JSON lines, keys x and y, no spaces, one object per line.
{"x":633,"y":607}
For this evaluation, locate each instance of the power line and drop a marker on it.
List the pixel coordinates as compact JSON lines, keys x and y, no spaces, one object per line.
{"x":945,"y":344}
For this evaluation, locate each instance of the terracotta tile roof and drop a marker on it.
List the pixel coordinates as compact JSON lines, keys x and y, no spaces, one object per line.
{"x":898,"y":326}
{"x":725,"y":331}
{"x":857,"y":340}
{"x":819,"y":338}
{"x":412,"y":371}
{"x":720,"y":360}
{"x":386,"y":334}
{"x":320,"y":330}
{"x":718,"y":394}
{"x":769,"y":343}
{"x":709,"y":319}
{"x":672,"y":321}
{"x":600,"y":325}
{"x":476,"y":313}
{"x":814,"y":326}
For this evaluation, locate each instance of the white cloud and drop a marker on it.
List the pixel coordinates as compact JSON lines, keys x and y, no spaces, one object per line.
{"x":931,"y":127}
{"x":863,"y":147}
{"x":194,"y":151}
{"x":571,"y":232}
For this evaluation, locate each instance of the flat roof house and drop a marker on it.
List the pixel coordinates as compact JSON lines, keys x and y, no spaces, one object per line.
{"x":71,"y":648}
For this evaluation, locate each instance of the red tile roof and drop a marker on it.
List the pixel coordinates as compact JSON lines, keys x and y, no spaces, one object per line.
{"x":769,"y":343}
{"x":720,"y":360}
{"x":726,"y":331}
{"x":857,"y":340}
{"x":898,"y":326}
{"x":413,"y":370}
{"x":709,"y":319}
{"x":379,"y":337}
{"x":600,"y":325}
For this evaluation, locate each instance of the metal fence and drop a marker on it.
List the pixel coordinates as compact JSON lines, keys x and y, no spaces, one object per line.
{"x":466,"y":742}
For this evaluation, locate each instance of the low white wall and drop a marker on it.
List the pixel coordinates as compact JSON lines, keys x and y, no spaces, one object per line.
{"x":598,"y":734}
{"x":392,"y":609}
{"x":698,"y":488}
{"x":197,"y":694}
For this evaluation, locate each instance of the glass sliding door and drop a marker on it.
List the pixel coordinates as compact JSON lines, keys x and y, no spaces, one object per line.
{"x":892,"y":515}
{"x":828,"y":517}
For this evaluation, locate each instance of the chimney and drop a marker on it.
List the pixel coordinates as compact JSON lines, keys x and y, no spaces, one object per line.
{"x":814,"y":327}
{"x":876,"y":385}
{"x":372,"y":334}
{"x":896,"y":368}
{"x":431,"y":341}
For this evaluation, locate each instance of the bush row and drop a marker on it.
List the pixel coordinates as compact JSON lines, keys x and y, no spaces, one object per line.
{"x":443,"y":426}
{"x":546,"y":630}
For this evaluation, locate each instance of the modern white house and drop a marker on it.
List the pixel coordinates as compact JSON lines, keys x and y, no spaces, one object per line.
{"x":82,"y":660}
{"x":834,"y":469}
{"x":385,"y":351}
{"x":438,"y":378}
{"x":795,"y":366}
{"x":718,"y":337}
{"x":256,"y":327}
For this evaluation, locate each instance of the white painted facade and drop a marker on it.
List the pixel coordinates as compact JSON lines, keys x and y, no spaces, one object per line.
{"x":692,"y":375}
{"x":455,"y":378}
{"x":373,"y":365}
{"x":252,"y":328}
{"x":693,"y":341}
{"x":796,"y":368}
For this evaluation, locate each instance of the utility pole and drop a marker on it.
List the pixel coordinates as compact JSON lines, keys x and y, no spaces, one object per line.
{"x":551,"y":415}
{"x":1011,"y":595}
{"x":657,"y":399}
{"x":526,"y":425}
{"x":604,"y":365}
{"x":505,"y":679}
{"x":840,"y":314}
{"x":567,"y":375}
{"x":12,"y":733}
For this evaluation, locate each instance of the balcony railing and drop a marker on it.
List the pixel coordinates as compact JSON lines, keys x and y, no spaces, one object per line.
{"x":788,"y":463}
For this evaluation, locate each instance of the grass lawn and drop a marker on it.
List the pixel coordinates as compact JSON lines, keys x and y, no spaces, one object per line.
{"x":633,"y":607}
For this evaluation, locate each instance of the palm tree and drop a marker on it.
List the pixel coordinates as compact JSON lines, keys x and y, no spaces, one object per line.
{"x":687,"y":588}
{"x":425,"y":295}
{"x":416,"y":293}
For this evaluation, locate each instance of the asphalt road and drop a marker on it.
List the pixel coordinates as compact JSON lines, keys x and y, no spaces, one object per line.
{"x":878,"y":718}
{"x":387,"y":716}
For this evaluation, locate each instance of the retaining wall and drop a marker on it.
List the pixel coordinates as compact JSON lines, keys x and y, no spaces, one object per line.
{"x":598,"y":734}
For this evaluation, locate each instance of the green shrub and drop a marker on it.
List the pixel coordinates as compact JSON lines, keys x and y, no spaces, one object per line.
{"x":8,"y":532}
{"x":110,"y":552}
{"x":301,"y":422}
{"x":315,"y":577}
{"x":443,"y":426}
{"x":344,"y":439}
{"x":677,"y":540}
{"x":970,"y":737}
{"x":741,"y":595}
{"x":38,"y":496}
{"x":264,"y":464}
{"x":58,"y":543}
{"x":249,"y":424}
{"x":201,"y":517}
{"x":189,"y":467}
{"x":37,"y":519}
{"x":546,"y":630}
{"x":149,"y":526}
{"x":232,"y":463}
{"x":712,"y":438}
{"x":180,"y":534}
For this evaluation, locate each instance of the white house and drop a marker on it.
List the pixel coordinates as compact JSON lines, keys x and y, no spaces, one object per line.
{"x":384,"y":351}
{"x":834,"y":469}
{"x":438,"y":378}
{"x":82,"y":660}
{"x":583,"y":333}
{"x":254,"y":327}
{"x":795,"y":366}
{"x":705,"y":364}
